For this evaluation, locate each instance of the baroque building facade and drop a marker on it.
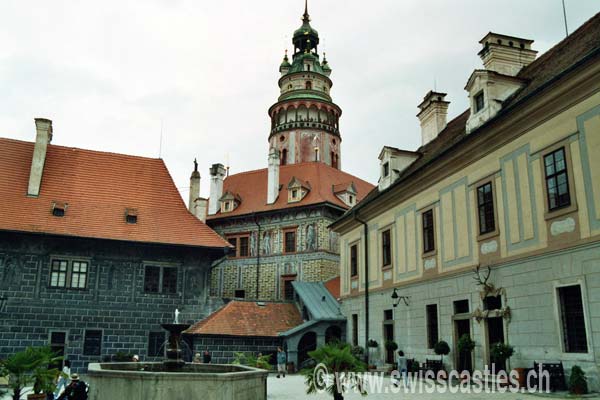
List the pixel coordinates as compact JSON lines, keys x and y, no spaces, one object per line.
{"x":96,"y":251}
{"x":277,"y":218}
{"x":491,"y":228}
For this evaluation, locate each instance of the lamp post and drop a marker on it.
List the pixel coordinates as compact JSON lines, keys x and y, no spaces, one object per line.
{"x":396,"y":299}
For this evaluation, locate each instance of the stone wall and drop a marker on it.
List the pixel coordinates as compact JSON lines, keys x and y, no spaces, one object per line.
{"x":534,"y":327}
{"x":223,"y":348}
{"x":114,"y":300}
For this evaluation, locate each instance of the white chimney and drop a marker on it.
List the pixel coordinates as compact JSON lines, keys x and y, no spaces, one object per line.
{"x":433,"y":115}
{"x":42,"y":140}
{"x":273,"y":176}
{"x":200,"y":208}
{"x":217,"y":174}
{"x":194,"y":187}
{"x":505,"y":54}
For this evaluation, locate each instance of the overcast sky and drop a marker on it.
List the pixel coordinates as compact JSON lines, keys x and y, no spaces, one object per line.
{"x":110,"y":73}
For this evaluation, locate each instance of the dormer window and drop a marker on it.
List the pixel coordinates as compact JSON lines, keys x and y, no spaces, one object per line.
{"x":297,"y":189}
{"x":346,"y":192}
{"x":295,"y":194}
{"x":227,"y":206}
{"x":59,"y":209}
{"x":386,"y":169}
{"x":131,"y":215}
{"x":229,"y":202}
{"x":479,"y":101}
{"x":351,"y":199}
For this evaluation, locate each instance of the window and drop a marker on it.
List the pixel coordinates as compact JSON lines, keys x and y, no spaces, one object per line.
{"x":244,"y":248}
{"x":432,"y":325}
{"x":386,"y":169}
{"x":288,"y":290}
{"x":573,"y":319}
{"x":492,"y":303}
{"x":461,"y":306}
{"x":355,"y":329}
{"x":58,"y":342}
{"x":485,"y":204}
{"x":557,"y":180}
{"x":227,"y":206}
{"x":428,"y":232}
{"x":131,"y":215}
{"x":92,"y":343}
{"x":353,"y":260}
{"x":241,"y":242}
{"x":386,"y":248}
{"x":156,"y":341}
{"x":308,"y":83}
{"x":68,"y":273}
{"x":283,"y":157}
{"x":239,"y":294}
{"x":58,"y":212}
{"x":294,"y":194}
{"x":160,"y":279}
{"x":290,"y":241}
{"x":388,"y":315}
{"x":479,"y":101}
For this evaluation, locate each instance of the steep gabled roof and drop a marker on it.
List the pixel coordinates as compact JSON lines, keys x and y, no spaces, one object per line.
{"x":318,"y":300}
{"x":321,"y":178}
{"x":249,"y":318}
{"x":98,"y":187}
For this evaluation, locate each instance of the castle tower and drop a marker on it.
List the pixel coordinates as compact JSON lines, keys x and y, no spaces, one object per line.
{"x":305,"y":121}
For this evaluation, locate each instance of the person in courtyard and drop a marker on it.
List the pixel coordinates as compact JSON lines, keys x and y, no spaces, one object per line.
{"x":402,"y":364}
{"x":197,"y":359}
{"x":281,"y":360}
{"x":63,"y":378}
{"x":76,"y":390}
{"x":206,"y":358}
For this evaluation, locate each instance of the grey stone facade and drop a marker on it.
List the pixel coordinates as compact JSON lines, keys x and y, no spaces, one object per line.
{"x":114,"y":300}
{"x":223,"y":348}
{"x":533,"y":325}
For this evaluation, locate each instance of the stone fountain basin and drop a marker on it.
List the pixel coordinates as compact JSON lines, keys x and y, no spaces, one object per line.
{"x":150,"y":381}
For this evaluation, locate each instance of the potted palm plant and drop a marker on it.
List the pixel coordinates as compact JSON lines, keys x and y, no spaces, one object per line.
{"x":337,"y":360}
{"x":30,"y":367}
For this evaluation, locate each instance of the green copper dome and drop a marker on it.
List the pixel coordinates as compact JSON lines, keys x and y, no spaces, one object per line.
{"x":306,"y":38}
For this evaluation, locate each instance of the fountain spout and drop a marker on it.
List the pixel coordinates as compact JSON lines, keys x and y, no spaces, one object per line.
{"x":174,"y":359}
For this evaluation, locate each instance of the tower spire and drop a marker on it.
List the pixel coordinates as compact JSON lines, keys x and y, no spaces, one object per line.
{"x":305,"y":17}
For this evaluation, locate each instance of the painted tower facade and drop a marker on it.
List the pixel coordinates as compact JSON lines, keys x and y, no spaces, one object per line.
{"x":305,"y":120}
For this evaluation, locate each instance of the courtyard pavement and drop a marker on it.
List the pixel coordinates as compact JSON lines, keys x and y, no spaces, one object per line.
{"x":292,"y":387}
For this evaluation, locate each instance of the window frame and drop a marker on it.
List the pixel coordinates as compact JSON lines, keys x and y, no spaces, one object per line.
{"x":238,"y":246}
{"x":85,"y":338}
{"x":156,"y":334}
{"x":353,"y":260}
{"x":476,"y":105}
{"x":555,"y":177}
{"x":161,"y":284}
{"x":558,"y":212}
{"x":491,"y":202}
{"x":385,"y":169}
{"x":354,"y":329}
{"x":429,"y":325}
{"x":386,"y":248}
{"x":69,"y":260}
{"x":287,"y":231}
{"x":428,"y":251}
{"x":561,"y":323}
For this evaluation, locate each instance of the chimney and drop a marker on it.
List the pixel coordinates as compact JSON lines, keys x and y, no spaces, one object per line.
{"x":273,"y":176}
{"x":434,"y":110}
{"x":200,"y":208}
{"x":506,"y":54}
{"x":194,"y":187}
{"x":217,"y":174}
{"x":42,"y":139}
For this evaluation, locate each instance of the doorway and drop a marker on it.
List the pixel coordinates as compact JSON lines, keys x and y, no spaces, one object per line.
{"x":388,"y":335}
{"x":307,"y":343}
{"x":464,"y":361}
{"x":495,"y":334}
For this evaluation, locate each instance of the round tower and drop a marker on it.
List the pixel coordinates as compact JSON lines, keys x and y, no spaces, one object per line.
{"x":305,"y":121}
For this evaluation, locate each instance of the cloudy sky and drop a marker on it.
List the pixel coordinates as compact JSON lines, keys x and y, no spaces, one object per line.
{"x":111,"y":73}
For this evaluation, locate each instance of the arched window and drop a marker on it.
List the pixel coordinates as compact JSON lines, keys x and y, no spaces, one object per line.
{"x":284,"y":157}
{"x":334,"y":160}
{"x":308,"y":85}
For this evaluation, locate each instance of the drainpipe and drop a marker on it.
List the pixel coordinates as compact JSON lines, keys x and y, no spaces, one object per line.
{"x":366,"y":230}
{"x":257,"y":254}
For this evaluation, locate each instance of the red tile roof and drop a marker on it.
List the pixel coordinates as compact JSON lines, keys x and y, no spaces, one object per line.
{"x":98,"y":187}
{"x":333,"y":286}
{"x":248,"y":318}
{"x":252,"y":187}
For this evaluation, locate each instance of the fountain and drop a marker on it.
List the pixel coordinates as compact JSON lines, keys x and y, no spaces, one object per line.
{"x":175,"y":379}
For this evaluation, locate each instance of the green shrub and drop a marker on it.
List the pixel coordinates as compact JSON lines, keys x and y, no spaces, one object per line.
{"x":500,"y":352}
{"x":465,"y":344}
{"x":372,"y":343}
{"x":391,"y":345}
{"x":358,"y":352}
{"x":251,"y":360}
{"x":578,"y":381}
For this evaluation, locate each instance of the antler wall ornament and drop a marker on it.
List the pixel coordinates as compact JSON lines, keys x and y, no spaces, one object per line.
{"x":482,"y":280}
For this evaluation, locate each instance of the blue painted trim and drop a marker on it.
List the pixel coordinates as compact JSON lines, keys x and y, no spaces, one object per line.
{"x":585,"y":165}
{"x":463,"y":182}
{"x":503,"y":160}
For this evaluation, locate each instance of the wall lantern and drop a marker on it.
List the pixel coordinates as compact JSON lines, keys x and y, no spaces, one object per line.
{"x":396,"y":299}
